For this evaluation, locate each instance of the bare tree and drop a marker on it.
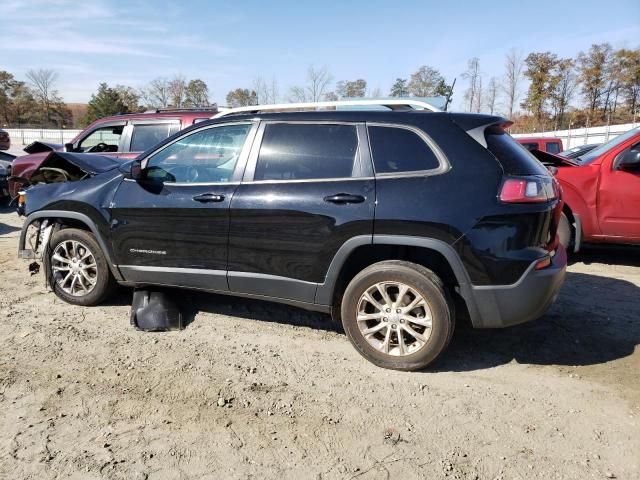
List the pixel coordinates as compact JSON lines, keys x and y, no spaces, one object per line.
{"x":514,"y":65}
{"x":316,"y":88}
{"x":492,"y":95}
{"x":157,"y":93}
{"x":177,"y":91}
{"x":376,"y":92}
{"x":318,"y":81}
{"x":472,"y":74}
{"x":43,"y":82}
{"x":267,"y":91}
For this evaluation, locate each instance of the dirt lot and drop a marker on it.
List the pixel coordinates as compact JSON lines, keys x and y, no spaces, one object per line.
{"x":258,"y":390}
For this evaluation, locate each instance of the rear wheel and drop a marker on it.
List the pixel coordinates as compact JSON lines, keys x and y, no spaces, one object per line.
{"x":397,"y":315}
{"x":78,"y":269}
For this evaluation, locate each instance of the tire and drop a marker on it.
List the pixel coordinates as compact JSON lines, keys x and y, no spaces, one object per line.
{"x":94,"y":293}
{"x":407,"y":353}
{"x":565,"y":232}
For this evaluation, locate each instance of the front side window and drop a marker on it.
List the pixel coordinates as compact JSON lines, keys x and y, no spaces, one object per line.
{"x":105,"y":139}
{"x":205,"y":156}
{"x":146,"y":136}
{"x":398,"y":150}
{"x":306,"y":152}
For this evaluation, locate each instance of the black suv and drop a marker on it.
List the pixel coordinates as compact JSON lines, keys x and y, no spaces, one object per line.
{"x":394,"y":222}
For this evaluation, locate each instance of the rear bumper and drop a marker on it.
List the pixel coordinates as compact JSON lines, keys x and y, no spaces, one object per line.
{"x":525,"y":300}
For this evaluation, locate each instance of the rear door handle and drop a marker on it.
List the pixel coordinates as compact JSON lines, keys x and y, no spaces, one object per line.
{"x":341,"y":198}
{"x":208,"y":198}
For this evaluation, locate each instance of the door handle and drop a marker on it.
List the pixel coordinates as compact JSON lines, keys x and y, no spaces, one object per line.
{"x":208,"y":198}
{"x":342,"y":198}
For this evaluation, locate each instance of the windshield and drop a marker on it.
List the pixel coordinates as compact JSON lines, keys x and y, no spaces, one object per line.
{"x":596,"y":152}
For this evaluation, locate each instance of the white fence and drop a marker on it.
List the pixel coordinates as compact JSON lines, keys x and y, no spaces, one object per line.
{"x":24,"y":136}
{"x":582,"y":136}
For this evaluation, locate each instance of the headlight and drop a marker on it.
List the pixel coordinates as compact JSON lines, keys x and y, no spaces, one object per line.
{"x":22,"y":198}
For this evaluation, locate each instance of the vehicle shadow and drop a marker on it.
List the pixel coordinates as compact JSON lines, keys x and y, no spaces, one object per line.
{"x":595,"y":320}
{"x":6,"y":229}
{"x":192,"y":303}
{"x":628,"y":255}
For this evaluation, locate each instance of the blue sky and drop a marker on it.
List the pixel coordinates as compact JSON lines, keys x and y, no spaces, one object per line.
{"x":228,"y":44}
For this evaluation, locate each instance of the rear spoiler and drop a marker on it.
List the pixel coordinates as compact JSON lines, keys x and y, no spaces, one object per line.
{"x":39,"y":147}
{"x":475,"y":124}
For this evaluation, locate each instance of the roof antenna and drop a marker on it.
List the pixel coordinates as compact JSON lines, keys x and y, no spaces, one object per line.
{"x":449,"y":95}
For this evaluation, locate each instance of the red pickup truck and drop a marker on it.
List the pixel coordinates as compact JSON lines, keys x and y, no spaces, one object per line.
{"x":602,"y":194}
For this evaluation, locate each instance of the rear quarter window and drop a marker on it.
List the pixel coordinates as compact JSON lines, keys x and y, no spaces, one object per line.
{"x":514,"y":159}
{"x":399,"y":150}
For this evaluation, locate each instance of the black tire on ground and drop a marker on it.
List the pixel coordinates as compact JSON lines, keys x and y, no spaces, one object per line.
{"x":565,"y":232}
{"x":428,"y":285}
{"x":105,"y":283}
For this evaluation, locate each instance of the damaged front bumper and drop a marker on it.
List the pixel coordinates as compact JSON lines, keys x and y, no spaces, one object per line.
{"x":37,"y":239}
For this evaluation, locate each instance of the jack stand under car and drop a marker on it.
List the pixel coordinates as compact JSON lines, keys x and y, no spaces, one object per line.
{"x":154,"y":311}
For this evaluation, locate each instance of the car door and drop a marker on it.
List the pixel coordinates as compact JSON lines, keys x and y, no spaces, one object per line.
{"x":619,"y":196}
{"x":171,"y":226}
{"x":307,"y":189}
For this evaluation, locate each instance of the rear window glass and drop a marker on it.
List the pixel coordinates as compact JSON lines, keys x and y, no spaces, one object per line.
{"x":553,"y":147}
{"x":397,"y":150}
{"x":146,"y":136}
{"x":515,"y":160}
{"x":306,"y":151}
{"x":530,"y":146}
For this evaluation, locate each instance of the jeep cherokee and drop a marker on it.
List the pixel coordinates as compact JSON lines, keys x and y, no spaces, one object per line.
{"x":395,"y":222}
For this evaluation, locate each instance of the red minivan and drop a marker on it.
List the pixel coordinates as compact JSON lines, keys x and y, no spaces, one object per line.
{"x":544,"y":144}
{"x":120,"y":136}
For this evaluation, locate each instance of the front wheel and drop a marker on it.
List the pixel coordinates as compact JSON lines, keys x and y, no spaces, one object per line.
{"x":78,"y":270}
{"x":397,"y":316}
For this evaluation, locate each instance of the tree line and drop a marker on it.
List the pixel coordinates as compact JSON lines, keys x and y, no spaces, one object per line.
{"x":539,"y":91}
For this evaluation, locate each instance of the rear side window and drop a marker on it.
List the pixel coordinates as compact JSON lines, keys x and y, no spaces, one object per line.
{"x":553,"y":147}
{"x":306,"y":151}
{"x":146,"y":136}
{"x":515,"y":160}
{"x":398,"y":150}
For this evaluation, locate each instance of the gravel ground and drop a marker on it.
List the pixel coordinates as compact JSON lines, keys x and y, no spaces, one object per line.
{"x":259,"y":390}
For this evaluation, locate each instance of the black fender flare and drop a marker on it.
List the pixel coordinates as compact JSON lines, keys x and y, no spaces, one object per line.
{"x":81,"y":217}
{"x":325,"y":290}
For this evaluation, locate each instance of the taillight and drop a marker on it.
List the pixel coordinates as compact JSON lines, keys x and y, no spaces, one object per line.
{"x":528,"y":190}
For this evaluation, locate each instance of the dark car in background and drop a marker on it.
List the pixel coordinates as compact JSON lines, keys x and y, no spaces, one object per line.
{"x":120,"y":136}
{"x":576,"y":152}
{"x":5,"y":140}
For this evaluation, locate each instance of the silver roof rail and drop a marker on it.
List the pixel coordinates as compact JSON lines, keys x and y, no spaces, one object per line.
{"x":399,"y":104}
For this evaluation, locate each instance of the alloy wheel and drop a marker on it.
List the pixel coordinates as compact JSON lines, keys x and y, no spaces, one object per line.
{"x":74,"y":268}
{"x":394,"y":318}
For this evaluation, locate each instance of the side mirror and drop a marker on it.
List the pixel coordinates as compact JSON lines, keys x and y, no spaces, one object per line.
{"x":132,"y":170}
{"x":68,"y":147}
{"x":629,"y":160}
